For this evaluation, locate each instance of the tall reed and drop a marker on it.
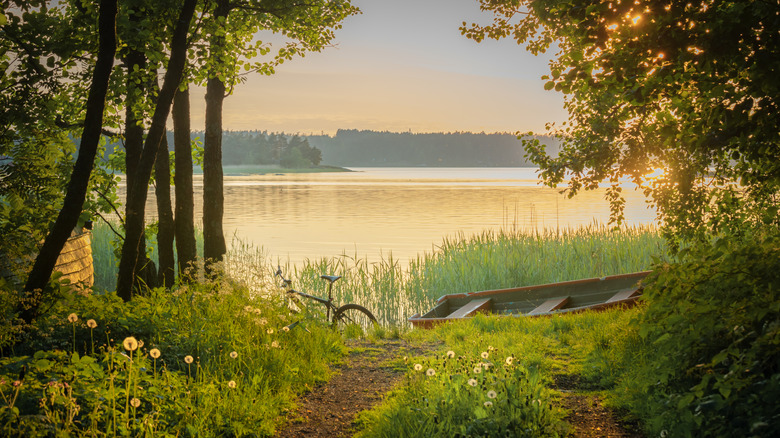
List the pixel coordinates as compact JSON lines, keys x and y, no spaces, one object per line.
{"x":490,"y":260}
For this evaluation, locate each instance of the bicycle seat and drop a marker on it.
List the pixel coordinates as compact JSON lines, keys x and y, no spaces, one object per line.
{"x":330,"y":278}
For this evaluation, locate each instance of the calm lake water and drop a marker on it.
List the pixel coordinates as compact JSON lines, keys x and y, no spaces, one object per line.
{"x":373,"y":212}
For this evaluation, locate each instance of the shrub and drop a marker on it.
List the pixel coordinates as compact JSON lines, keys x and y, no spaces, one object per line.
{"x":712,"y":325}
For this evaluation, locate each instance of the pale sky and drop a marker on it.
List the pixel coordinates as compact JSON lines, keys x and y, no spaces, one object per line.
{"x":401,"y":65}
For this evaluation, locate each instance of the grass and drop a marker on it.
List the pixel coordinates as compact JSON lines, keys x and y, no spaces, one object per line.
{"x":495,"y":376}
{"x":80,"y":379}
{"x":393,"y":292}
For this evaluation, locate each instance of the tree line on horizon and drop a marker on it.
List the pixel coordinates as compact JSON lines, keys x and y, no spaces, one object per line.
{"x":368,"y":148}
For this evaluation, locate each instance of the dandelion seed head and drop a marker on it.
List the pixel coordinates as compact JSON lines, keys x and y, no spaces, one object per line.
{"x":285,"y":329}
{"x":91,"y":323}
{"x":430,"y":372}
{"x":232,"y":384}
{"x":477,"y":370}
{"x":134,"y":402}
{"x":450,"y":354}
{"x":233,"y":354}
{"x":274,"y":344}
{"x":492,"y":394}
{"x":417,"y":367}
{"x":154,"y":353}
{"x":509,"y":360}
{"x":270,"y":331}
{"x":73,"y":317}
{"x":188,"y":359}
{"x":130,"y":343}
{"x":488,"y":404}
{"x":485,"y":355}
{"x":473,"y":382}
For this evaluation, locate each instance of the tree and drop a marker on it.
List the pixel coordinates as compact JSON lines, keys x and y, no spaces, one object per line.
{"x":134,"y":224}
{"x":77,"y":187}
{"x":308,"y":26}
{"x":687,"y":87}
{"x":185,"y":204}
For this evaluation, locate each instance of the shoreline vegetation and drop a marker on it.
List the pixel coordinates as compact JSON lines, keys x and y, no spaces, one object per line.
{"x":215,"y":358}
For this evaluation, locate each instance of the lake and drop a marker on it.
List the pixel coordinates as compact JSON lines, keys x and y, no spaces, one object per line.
{"x":373,"y":212}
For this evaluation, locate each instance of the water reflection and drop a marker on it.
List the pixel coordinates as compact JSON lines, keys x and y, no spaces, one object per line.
{"x":400,"y":210}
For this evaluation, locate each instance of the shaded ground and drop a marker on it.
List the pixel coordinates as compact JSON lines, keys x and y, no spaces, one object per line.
{"x":368,"y":373}
{"x":586,"y":414}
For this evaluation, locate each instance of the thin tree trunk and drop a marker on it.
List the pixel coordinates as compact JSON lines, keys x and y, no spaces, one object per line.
{"x":165,"y":229}
{"x":138,"y":191}
{"x":185,"y":217}
{"x":145,"y":271}
{"x":214,"y":247}
{"x":82,"y":169}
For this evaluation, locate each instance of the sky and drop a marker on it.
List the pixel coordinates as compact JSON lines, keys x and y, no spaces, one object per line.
{"x":400,"y":65}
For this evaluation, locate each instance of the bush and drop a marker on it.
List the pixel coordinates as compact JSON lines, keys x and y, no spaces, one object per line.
{"x":712,"y":330}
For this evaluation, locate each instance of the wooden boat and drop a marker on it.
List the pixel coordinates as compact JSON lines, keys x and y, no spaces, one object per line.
{"x":546,"y":299}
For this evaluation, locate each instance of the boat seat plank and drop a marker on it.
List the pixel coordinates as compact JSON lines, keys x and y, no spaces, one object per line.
{"x":550,"y":305}
{"x":624,"y":295}
{"x":471,"y":308}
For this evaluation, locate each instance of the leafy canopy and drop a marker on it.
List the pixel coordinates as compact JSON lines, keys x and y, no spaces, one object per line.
{"x":687,"y":87}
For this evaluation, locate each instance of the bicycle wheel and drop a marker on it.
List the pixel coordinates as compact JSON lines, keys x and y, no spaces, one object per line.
{"x":354,"y":319}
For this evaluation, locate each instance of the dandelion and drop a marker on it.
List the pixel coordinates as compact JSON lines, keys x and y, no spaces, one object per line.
{"x":154,"y":353}
{"x":233,"y":354}
{"x":477,"y":370}
{"x":140,"y":344}
{"x":130,"y":343}
{"x":285,"y":329}
{"x":232,"y":384}
{"x":417,"y":367}
{"x":91,"y":323}
{"x":490,"y":348}
{"x":509,"y":360}
{"x":188,"y":359}
{"x":484,"y":355}
{"x":270,"y":331}
{"x":430,"y":372}
{"x":274,"y":344}
{"x":473,"y":382}
{"x":248,"y":309}
{"x":134,"y":402}
{"x":73,"y":318}
{"x":492,"y":394}
{"x":488,"y":404}
{"x":450,"y":354}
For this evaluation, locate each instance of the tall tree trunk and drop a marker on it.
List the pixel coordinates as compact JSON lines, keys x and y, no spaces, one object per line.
{"x":134,"y":223}
{"x":135,"y":61}
{"x":185,"y":217}
{"x":214,"y":247}
{"x":165,"y":227}
{"x":82,"y":169}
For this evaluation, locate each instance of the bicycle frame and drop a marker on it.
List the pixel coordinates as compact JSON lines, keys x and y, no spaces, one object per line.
{"x":327,"y":303}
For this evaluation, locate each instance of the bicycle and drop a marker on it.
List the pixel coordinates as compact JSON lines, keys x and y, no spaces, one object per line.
{"x":342,"y":316}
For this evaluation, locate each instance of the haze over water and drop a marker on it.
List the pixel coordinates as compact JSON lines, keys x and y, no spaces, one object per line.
{"x":374,"y":212}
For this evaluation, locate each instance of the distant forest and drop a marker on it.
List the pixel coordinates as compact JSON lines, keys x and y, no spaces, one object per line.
{"x":355,"y":148}
{"x":351,"y":147}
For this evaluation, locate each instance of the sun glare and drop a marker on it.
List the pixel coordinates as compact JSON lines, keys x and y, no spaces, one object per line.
{"x":655,"y":174}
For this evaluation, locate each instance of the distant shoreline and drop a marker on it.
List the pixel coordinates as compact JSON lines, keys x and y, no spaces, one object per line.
{"x":241,"y":170}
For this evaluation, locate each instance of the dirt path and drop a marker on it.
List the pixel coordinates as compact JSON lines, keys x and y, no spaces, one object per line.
{"x":358,"y":384}
{"x":367,"y":374}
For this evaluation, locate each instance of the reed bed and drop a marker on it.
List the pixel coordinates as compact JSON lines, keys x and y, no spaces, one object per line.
{"x":490,"y":260}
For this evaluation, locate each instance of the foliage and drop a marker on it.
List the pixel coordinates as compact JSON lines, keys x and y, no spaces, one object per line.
{"x":711,"y":336}
{"x":206,"y":364}
{"x":41,"y":109}
{"x":486,"y":394}
{"x":687,"y":87}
